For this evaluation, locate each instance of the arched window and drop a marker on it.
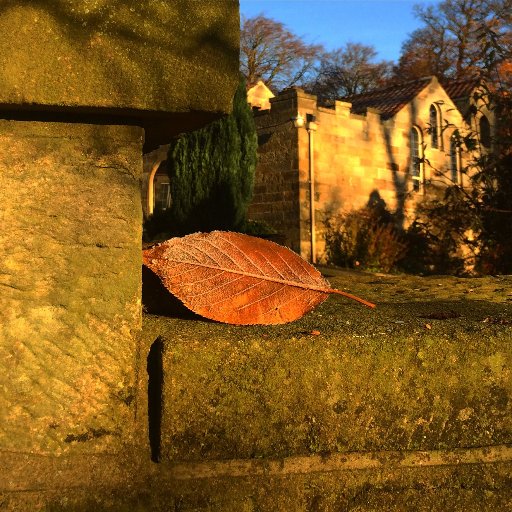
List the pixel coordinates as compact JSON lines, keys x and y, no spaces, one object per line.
{"x":455,"y":158}
{"x":161,"y":189}
{"x":485,"y":132}
{"x":435,"y":125}
{"x":415,"y":158}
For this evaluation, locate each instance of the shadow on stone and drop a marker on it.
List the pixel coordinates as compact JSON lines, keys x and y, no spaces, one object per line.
{"x":155,"y":385}
{"x":157,"y":300}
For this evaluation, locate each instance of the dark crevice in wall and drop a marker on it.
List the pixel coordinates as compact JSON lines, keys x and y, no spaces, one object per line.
{"x":159,"y":126}
{"x":80,"y":115}
{"x":155,"y":397}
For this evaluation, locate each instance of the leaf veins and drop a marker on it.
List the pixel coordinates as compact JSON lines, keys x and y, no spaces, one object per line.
{"x":239,"y":279}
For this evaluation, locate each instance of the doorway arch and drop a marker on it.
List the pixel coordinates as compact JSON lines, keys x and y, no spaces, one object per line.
{"x":158,"y":189}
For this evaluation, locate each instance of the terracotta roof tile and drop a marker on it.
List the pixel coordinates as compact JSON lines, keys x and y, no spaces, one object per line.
{"x":458,"y":89}
{"x":388,"y":100}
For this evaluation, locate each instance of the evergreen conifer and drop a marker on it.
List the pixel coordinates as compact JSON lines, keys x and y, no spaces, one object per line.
{"x":211,"y":172}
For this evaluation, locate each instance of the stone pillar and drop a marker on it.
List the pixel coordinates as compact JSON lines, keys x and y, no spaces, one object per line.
{"x":70,"y":301}
{"x":85,"y":87}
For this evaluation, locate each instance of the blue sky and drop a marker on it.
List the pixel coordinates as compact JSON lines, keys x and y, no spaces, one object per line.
{"x":385,"y":24}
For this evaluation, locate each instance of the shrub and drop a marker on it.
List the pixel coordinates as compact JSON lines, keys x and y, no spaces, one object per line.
{"x":365,"y":238}
{"x":440,"y":239}
{"x":211,"y":174}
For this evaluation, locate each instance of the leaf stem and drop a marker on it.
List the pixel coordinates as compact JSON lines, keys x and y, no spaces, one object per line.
{"x":350,"y":296}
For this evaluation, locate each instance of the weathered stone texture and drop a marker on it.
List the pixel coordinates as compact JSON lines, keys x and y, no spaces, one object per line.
{"x":374,"y":380}
{"x":276,"y":191}
{"x":70,"y":284}
{"x":85,"y":87}
{"x":470,"y":488}
{"x":234,"y":397}
{"x":157,"y":56}
{"x":376,"y":412}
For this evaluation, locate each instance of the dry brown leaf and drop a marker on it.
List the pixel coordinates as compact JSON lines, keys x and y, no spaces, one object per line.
{"x":239,"y":279}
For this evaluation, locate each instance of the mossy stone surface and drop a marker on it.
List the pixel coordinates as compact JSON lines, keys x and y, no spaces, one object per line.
{"x":239,"y":402}
{"x":429,"y":369}
{"x":70,"y":285}
{"x":449,"y":489}
{"x":153,"y":57}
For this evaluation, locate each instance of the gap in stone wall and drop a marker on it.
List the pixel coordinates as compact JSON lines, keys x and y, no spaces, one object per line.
{"x":155,"y":386}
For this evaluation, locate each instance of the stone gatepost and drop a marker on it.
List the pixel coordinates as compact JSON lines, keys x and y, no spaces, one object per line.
{"x":85,"y":87}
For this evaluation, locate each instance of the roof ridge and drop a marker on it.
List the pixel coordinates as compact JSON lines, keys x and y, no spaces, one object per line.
{"x":461,"y":79}
{"x":389,"y":100}
{"x":398,"y":85}
{"x":459,"y":88}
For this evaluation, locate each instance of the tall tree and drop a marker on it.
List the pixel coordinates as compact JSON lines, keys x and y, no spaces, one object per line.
{"x":349,"y":70}
{"x":424,"y":53}
{"x":454,"y":34}
{"x":492,"y":177}
{"x":484,"y":209}
{"x":271,"y":53}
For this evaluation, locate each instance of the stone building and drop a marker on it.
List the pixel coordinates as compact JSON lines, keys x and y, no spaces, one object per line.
{"x":396,"y":145}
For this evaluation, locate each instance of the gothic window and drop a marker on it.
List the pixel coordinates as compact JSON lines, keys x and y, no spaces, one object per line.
{"x":435,"y":125}
{"x":161,"y":190}
{"x":162,"y":196}
{"x":415,"y":158}
{"x":485,"y":132}
{"x":455,"y":158}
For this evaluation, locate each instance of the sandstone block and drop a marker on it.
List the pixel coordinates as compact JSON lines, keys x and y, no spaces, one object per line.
{"x":70,"y":281}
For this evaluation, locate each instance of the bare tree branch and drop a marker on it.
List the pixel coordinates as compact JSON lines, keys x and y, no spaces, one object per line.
{"x":271,"y":53}
{"x":348,"y":71}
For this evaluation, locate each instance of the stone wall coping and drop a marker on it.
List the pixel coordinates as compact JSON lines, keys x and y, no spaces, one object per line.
{"x":119,"y":58}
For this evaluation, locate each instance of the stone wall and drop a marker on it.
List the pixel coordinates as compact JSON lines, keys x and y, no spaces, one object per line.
{"x":276,"y":188}
{"x":347,"y":408}
{"x":149,"y":61}
{"x":356,"y":157}
{"x":85,"y":88}
{"x":70,"y":302}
